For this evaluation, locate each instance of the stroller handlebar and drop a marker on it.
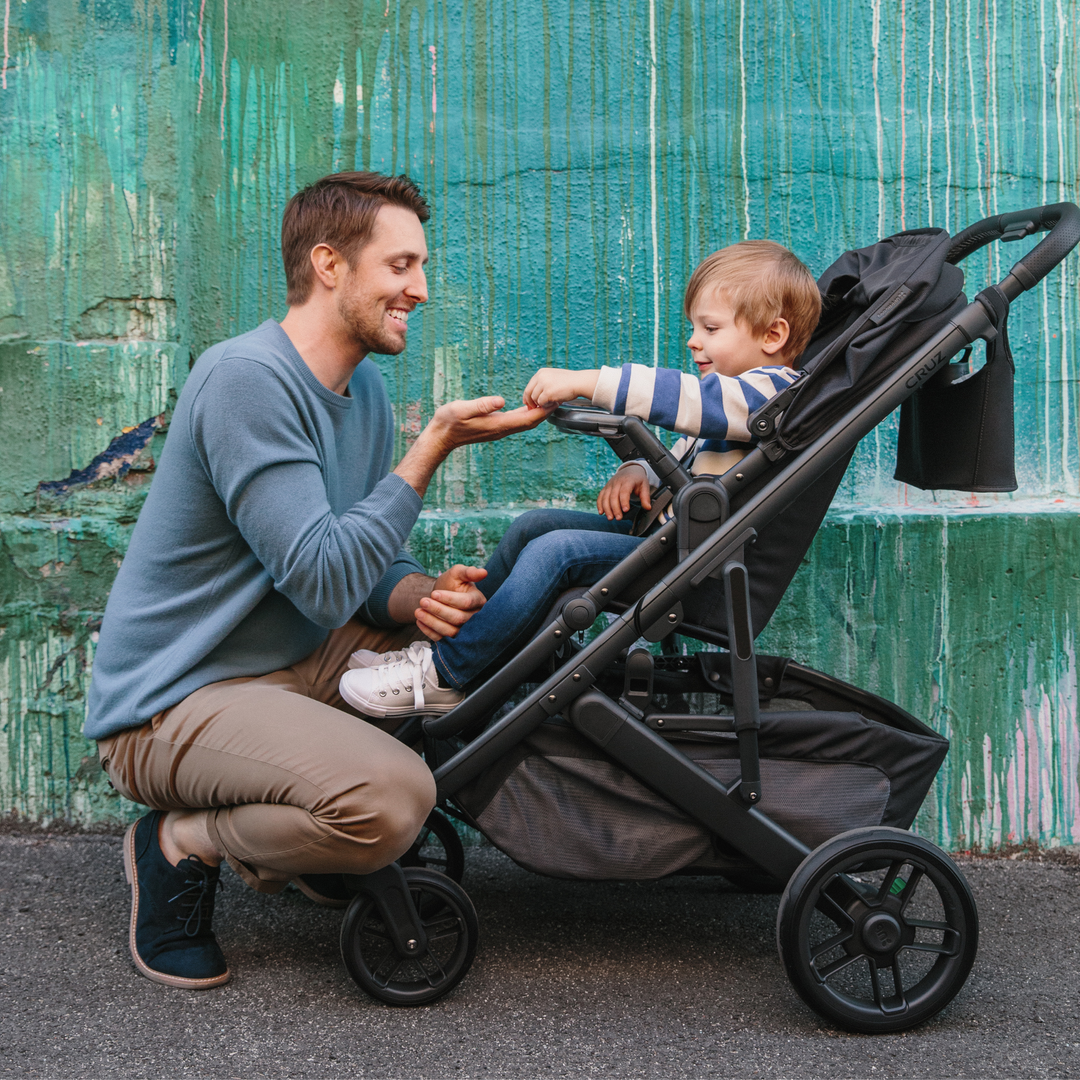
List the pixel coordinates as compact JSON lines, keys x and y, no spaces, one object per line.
{"x":1062,"y":220}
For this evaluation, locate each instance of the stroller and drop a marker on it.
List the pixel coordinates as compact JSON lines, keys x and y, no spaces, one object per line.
{"x":607,"y":761}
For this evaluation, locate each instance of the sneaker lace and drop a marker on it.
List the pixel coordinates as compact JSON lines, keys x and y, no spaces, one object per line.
{"x":197,"y":900}
{"x":407,"y":673}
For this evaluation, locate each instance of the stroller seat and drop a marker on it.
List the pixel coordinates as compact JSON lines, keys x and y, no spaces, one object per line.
{"x":603,"y":759}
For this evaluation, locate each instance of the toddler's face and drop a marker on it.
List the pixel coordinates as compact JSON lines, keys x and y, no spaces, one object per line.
{"x":722,"y":345}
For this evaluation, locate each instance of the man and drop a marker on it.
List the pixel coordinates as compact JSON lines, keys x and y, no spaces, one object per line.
{"x":272,"y":521}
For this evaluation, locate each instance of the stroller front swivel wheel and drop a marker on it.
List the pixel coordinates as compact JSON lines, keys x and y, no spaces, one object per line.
{"x":450,"y":924}
{"x":877,"y":929}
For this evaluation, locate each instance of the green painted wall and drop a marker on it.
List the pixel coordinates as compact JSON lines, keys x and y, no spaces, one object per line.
{"x":580,"y":158}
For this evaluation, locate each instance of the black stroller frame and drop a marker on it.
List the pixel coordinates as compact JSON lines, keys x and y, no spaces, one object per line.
{"x":410,"y":933}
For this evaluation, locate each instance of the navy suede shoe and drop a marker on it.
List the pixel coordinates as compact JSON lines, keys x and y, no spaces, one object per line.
{"x":172,"y":908}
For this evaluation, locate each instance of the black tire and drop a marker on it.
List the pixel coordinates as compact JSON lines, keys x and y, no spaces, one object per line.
{"x":438,"y":847}
{"x":845,"y":923}
{"x":449,"y":920}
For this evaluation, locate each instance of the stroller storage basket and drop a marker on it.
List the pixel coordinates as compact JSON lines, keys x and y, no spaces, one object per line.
{"x":833,"y":758}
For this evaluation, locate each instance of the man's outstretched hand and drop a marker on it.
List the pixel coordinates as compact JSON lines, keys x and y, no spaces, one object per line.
{"x":482,"y":420}
{"x":453,"y":601}
{"x":459,"y":423}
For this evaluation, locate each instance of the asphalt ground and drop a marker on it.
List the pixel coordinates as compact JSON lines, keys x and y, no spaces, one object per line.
{"x":678,"y":978}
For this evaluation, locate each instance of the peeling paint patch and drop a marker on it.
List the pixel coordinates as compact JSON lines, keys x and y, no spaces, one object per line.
{"x":124,"y":453}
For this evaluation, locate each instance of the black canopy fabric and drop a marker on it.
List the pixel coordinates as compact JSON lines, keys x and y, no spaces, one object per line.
{"x":879,"y":304}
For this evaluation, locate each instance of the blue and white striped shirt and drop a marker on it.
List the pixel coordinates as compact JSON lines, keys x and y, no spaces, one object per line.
{"x":713,"y":411}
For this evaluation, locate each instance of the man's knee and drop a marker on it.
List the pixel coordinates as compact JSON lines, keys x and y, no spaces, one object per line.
{"x":407,"y":803}
{"x":387,"y":813}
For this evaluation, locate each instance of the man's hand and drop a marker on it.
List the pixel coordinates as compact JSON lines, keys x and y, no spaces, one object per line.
{"x":552,"y":386}
{"x":614,"y":498}
{"x":459,"y":423}
{"x":454,"y":600}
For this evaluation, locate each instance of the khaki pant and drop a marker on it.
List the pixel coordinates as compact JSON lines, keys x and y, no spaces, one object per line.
{"x":297,"y":783}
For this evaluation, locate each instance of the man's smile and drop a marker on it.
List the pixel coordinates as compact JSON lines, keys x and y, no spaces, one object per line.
{"x":399,"y":316}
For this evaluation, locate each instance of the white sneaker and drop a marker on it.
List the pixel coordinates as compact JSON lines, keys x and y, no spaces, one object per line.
{"x":365,"y":658}
{"x":405,"y":687}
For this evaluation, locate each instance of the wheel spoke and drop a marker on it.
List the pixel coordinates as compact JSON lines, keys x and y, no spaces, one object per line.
{"x":909,"y":889}
{"x":449,"y":926}
{"x":829,"y":970}
{"x":875,"y":982}
{"x":890,"y":880}
{"x":949,"y":946}
{"x":941,"y":950}
{"x":438,"y":967}
{"x":376,"y":972}
{"x":830,"y":943}
{"x":899,"y":1003}
{"x":831,"y":905}
{"x":898,"y":979}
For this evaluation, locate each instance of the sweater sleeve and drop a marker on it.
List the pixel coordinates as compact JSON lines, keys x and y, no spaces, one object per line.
{"x":251,"y":440}
{"x":715,"y":407}
{"x":374,"y":609}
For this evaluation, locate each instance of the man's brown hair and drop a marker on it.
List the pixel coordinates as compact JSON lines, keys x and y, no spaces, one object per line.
{"x":762,"y":282}
{"x":339,"y":210}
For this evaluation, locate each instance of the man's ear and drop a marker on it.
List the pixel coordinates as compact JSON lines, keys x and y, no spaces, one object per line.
{"x":327,"y":264}
{"x":775,"y":337}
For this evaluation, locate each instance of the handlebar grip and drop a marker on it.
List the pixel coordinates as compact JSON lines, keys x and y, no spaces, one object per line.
{"x":1061,"y":219}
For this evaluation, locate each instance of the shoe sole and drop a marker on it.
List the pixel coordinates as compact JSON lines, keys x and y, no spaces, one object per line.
{"x":368,"y":709}
{"x":141,"y":965}
{"x":317,"y":897}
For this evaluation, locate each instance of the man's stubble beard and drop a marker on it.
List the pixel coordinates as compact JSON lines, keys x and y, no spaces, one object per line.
{"x":367,"y":332}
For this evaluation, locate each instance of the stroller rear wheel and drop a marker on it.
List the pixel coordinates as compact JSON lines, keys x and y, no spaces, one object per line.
{"x":449,"y":921}
{"x":877,"y":929}
{"x":438,"y":847}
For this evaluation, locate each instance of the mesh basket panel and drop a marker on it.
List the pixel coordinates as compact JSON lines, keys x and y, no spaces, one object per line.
{"x":814,"y":800}
{"x":584,"y":818}
{"x":577,"y":818}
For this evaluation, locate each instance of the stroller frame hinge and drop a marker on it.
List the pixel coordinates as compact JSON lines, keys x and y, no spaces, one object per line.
{"x":637,"y":692}
{"x":744,"y":683}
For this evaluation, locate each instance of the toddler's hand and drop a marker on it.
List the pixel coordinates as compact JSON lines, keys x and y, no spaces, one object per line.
{"x":552,"y":386}
{"x":614,"y":500}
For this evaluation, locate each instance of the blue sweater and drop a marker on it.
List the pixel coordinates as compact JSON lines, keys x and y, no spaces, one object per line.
{"x":270,"y":521}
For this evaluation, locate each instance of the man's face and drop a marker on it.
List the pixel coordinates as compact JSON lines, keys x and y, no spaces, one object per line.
{"x":386,"y":283}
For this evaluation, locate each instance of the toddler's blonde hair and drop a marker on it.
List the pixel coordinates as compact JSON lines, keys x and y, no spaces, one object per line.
{"x":761,"y":281}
